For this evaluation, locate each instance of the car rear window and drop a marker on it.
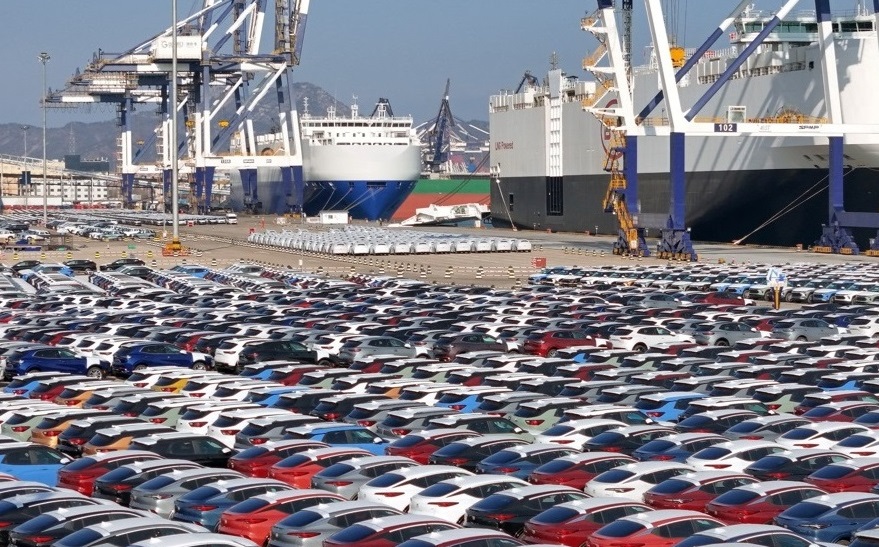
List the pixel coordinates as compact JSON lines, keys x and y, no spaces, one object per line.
{"x":203,"y":493}
{"x":248,"y":506}
{"x":156,"y":483}
{"x":771,"y":462}
{"x":621,"y":528}
{"x":386,"y":480}
{"x":744,"y":427}
{"x":301,"y":518}
{"x":193,"y":414}
{"x":856,"y":441}
{"x":671,"y":486}
{"x":806,"y":510}
{"x":80,"y":464}
{"x":799,"y":434}
{"x":37,"y":524}
{"x":736,"y":496}
{"x":293,"y":461}
{"x":832,"y":472}
{"x":556,"y":515}
{"x":608,"y":437}
{"x":712,"y":453}
{"x":337,"y":470}
{"x":614,"y":476}
{"x":117,"y":475}
{"x":353,"y":533}
{"x":101,"y":440}
{"x":495,"y":502}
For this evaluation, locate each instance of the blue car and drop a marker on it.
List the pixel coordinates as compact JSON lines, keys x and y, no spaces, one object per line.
{"x":667,"y":406}
{"x":466,"y":400}
{"x":157,"y":354}
{"x":192,"y":269}
{"x":32,"y":462}
{"x":520,"y":461}
{"x":677,"y":448}
{"x":205,"y":504}
{"x":832,"y":518}
{"x":338,"y":434}
{"x":23,"y":385}
{"x":269,"y":396}
{"x":52,"y":359}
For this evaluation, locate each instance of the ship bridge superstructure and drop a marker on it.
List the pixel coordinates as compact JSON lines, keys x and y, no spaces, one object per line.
{"x":224,"y":70}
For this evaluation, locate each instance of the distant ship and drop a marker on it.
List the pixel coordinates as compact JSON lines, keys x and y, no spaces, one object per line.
{"x":365,"y":165}
{"x":551,"y":154}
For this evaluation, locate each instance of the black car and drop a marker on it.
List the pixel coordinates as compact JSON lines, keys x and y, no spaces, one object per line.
{"x":509,"y":510}
{"x":116,"y":485}
{"x":79,"y":265}
{"x":24,"y":265}
{"x":793,"y":465}
{"x":16,"y":510}
{"x":47,"y":528}
{"x":198,"y":449}
{"x":266,"y":350}
{"x":467,"y":453}
{"x":119,"y":262}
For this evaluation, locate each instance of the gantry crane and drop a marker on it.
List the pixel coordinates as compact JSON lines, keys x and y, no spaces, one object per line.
{"x":224,"y":73}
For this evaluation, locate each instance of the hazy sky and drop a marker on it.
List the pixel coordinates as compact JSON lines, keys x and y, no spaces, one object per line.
{"x":400,"y":49}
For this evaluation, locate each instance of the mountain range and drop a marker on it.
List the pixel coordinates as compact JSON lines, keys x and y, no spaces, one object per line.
{"x":97,"y":140}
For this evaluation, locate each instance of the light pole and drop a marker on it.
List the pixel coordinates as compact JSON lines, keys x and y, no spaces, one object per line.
{"x":44,"y":58}
{"x":24,"y":129}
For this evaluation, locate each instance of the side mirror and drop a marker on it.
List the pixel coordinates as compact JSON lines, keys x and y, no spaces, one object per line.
{"x":518,"y":430}
{"x":226,"y":450}
{"x":377,"y":440}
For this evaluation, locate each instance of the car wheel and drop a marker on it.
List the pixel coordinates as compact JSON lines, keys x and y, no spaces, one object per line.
{"x":325,"y":363}
{"x":789,"y":297}
{"x":552,"y":353}
{"x":802,"y":339}
{"x":640,"y":348}
{"x":722,"y":342}
{"x":95,"y":372}
{"x":810,"y":299}
{"x":139,"y":368}
{"x":199,"y":365}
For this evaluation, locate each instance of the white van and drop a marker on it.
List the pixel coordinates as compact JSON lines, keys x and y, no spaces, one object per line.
{"x":231,"y":218}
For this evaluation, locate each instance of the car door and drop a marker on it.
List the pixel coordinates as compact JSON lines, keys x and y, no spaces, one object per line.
{"x":68,"y":361}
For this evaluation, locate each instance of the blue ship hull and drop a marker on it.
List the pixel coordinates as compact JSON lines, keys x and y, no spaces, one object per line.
{"x":364,"y":200}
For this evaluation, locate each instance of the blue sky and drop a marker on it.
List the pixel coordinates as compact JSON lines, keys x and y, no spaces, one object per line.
{"x":400,"y":49}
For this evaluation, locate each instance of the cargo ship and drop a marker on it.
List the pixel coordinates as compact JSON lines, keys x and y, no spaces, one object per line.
{"x":550,"y":154}
{"x":365,"y":165}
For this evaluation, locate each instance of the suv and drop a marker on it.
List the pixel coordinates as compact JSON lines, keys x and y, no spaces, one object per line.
{"x":120,"y":262}
{"x":55,"y":359}
{"x":232,"y":355}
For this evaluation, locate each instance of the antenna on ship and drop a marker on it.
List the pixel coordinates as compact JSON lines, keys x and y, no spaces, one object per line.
{"x":355,"y":108}
{"x":305,"y":106}
{"x":554,"y":61}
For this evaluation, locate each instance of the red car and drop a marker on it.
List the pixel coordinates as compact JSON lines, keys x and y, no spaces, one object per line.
{"x":661,"y":528}
{"x":692,"y":491}
{"x":571,"y":523}
{"x":298,"y":469}
{"x":81,"y":474}
{"x":419,"y":446}
{"x":256,"y":461}
{"x":577,"y":469}
{"x":546,"y":343}
{"x":253,"y":518}
{"x":856,"y":475}
{"x":760,"y":502}
{"x":843,"y":411}
{"x":387,"y":532}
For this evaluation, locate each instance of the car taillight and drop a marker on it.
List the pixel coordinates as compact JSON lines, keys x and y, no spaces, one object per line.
{"x":366,"y":423}
{"x":77,"y":441}
{"x":457,"y":461}
{"x":331,"y":416}
{"x":303,"y":535}
{"x":228,"y":431}
{"x":71,"y":402}
{"x":773,"y":406}
{"x":258,"y":440}
{"x":717,"y":465}
{"x":197,"y":424}
{"x":400,"y":431}
{"x":130,"y":414}
{"x":654,"y":414}
{"x":443,"y":503}
{"x":36,"y":540}
{"x":196,"y":394}
{"x":507,"y":469}
{"x":389,"y":494}
{"x":20,"y":428}
{"x":339,"y":483}
{"x":456,"y":407}
{"x":750,"y":437}
{"x":662,"y":457}
{"x":158,"y":420}
{"x":52,"y":432}
{"x":252,"y":520}
{"x":533,"y":422}
{"x":140,"y":384}
{"x":167,"y":389}
{"x":561,"y":441}
{"x":503,"y":516}
{"x":778,"y":475}
{"x":204,"y":507}
{"x":121,"y":487}
{"x":801,"y":445}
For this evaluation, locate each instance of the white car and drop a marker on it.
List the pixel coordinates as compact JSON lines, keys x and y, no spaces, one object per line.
{"x":576,"y":432}
{"x":732,"y":456}
{"x":645,"y":337}
{"x":451,"y":498}
{"x":230,"y":422}
{"x":867,"y":325}
{"x":196,"y":419}
{"x":820,"y":435}
{"x":859,"y":445}
{"x":396,"y":488}
{"x":632,"y":480}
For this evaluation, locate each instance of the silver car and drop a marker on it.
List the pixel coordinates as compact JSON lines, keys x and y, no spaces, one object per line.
{"x":309,"y":528}
{"x":374,"y":345}
{"x":802,"y":329}
{"x":725,"y":333}
{"x":346,"y":478}
{"x":159,"y":494}
{"x":121,"y":533}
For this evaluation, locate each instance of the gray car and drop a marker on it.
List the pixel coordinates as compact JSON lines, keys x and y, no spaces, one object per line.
{"x":725,"y":333}
{"x":374,"y":345}
{"x":122,"y":533}
{"x":765,"y":428}
{"x":810,"y":329}
{"x":370,"y":414}
{"x":346,"y":478}
{"x":262,"y":430}
{"x":158,"y":495}
{"x":323,"y":521}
